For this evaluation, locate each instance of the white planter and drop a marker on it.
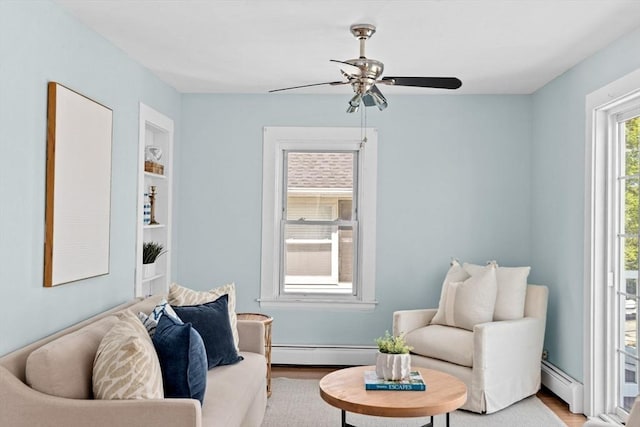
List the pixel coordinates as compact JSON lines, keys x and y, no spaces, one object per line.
{"x":148,"y":270}
{"x":393,"y":366}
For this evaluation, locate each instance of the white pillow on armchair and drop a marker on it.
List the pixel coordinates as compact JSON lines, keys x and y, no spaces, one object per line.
{"x":512,"y":289}
{"x":467,"y":300}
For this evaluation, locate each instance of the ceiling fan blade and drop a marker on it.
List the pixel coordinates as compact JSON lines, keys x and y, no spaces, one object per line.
{"x":352,"y":69}
{"x":375,"y":97}
{"x":435,"y":82}
{"x":313,"y":84}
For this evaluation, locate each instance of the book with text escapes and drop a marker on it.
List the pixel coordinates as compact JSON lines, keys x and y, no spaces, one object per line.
{"x":414,"y":382}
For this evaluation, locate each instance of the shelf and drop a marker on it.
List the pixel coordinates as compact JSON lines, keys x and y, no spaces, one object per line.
{"x":155,"y":175}
{"x":155,"y":130}
{"x":149,"y":279}
{"x":146,"y":227}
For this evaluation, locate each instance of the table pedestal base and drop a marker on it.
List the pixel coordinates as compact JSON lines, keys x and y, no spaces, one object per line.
{"x":346,"y":424}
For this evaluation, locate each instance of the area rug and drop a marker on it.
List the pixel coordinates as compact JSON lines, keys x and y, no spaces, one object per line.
{"x":298,"y":403}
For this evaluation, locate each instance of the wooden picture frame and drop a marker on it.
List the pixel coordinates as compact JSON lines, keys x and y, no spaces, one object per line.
{"x":78,"y":187}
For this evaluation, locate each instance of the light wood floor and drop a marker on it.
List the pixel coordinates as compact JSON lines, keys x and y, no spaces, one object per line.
{"x":551,"y":400}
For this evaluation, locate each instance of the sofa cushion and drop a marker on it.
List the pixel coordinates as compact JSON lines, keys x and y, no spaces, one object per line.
{"x":246,"y":379}
{"x":446,"y":343}
{"x":63,"y":367}
{"x":179,"y":295}
{"x":211,"y":320}
{"x":465,"y":304}
{"x":512,"y":290}
{"x":183,"y":359}
{"x":126,"y":365}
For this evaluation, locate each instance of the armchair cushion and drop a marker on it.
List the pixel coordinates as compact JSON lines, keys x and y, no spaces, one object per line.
{"x":465,"y":304}
{"x":446,"y":343}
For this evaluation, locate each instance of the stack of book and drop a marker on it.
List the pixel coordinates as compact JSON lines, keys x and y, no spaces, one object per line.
{"x":414,"y":382}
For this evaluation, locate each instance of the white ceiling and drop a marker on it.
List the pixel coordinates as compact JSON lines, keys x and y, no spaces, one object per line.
{"x":251,"y":46}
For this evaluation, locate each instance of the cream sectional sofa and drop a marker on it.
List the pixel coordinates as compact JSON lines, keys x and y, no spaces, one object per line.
{"x":48,"y":383}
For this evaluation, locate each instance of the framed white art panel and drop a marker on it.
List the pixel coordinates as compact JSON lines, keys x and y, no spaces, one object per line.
{"x":78,"y":189}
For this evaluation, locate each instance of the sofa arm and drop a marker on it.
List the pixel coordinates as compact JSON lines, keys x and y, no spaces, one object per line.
{"x":252,"y":336}
{"x":21,"y":406}
{"x":405,"y":321}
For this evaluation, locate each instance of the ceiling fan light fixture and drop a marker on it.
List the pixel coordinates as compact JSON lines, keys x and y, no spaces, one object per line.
{"x":354,"y":103}
{"x":378,"y":100}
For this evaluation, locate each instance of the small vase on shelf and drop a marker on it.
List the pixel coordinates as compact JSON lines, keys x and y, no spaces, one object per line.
{"x":148,"y":270}
{"x":150,"y":252}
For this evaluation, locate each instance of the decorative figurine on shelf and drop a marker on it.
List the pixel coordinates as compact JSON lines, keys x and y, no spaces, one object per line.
{"x":152,"y":202}
{"x":146,"y":210}
{"x":152,"y":156}
{"x":152,"y":153}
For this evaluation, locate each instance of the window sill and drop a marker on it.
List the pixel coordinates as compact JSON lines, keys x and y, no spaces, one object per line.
{"x":323,"y":304}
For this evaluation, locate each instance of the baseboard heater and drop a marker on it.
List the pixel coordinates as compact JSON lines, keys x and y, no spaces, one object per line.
{"x":323,"y":355}
{"x":565,"y":387}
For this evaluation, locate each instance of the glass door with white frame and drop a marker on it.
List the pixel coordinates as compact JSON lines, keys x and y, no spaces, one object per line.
{"x":626,"y":217}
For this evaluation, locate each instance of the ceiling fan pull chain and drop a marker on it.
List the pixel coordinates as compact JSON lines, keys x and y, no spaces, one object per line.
{"x":363,"y":127}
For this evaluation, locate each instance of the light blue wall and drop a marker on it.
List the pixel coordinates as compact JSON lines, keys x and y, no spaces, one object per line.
{"x":476,"y":177}
{"x":558,"y":193}
{"x":453,"y":180}
{"x":39,"y":42}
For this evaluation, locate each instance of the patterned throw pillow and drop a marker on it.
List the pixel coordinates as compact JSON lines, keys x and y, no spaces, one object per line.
{"x":126,"y":365}
{"x":179,"y":295}
{"x":150,"y":322}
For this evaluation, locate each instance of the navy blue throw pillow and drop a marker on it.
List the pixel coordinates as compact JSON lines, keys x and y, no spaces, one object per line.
{"x":211,"y":320}
{"x":183,"y":359}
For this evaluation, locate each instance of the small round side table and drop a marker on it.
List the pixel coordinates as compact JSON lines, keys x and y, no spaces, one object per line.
{"x":267,"y":320}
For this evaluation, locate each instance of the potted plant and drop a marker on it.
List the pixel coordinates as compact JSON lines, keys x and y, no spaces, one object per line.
{"x":150,"y":252}
{"x":393,"y":361}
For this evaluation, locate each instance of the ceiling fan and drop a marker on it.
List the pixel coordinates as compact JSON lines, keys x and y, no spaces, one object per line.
{"x":364,"y":74}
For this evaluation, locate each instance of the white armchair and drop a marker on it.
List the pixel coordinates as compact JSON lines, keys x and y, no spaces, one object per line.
{"x":499,"y":361}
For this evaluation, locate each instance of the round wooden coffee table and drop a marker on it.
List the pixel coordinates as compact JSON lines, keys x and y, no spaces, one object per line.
{"x":344,"y":389}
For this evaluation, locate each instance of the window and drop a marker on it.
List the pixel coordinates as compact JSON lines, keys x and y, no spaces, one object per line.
{"x":318,"y":217}
{"x":612,"y":360}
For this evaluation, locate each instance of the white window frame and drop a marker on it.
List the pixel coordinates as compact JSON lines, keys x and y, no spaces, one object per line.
{"x":277,"y":140}
{"x":600,"y":290}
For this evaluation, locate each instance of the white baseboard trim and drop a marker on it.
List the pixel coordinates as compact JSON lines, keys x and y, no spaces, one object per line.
{"x":283,"y":354}
{"x":565,"y":387}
